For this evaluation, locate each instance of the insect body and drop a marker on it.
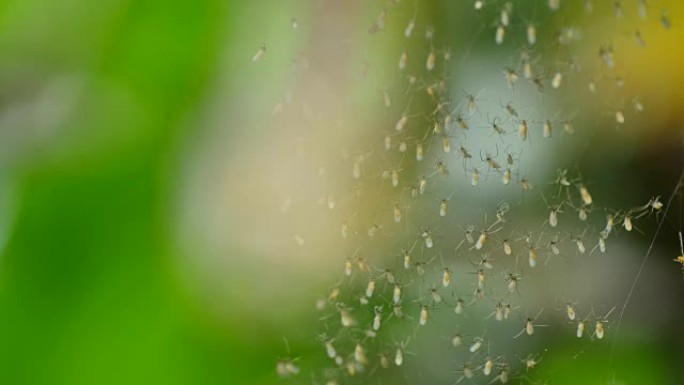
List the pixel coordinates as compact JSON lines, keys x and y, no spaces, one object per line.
{"x":422,"y":320}
{"x":259,"y":54}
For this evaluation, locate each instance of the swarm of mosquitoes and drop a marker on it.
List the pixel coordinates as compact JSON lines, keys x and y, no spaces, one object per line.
{"x":401,"y":293}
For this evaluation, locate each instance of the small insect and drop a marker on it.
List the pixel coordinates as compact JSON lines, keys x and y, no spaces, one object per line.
{"x":395,"y":178}
{"x":430,"y":62}
{"x":554,"y":5}
{"x":330,"y":349}
{"x":501,"y":212}
{"x":602,"y":243}
{"x":348,"y":266}
{"x":525,"y":184}
{"x":402,"y":146}
{"x":468,"y":372}
{"x":479,"y":294}
{"x":401,"y":123}
{"x":475,"y":177}
{"x":592,"y":87}
{"x":389,"y":275}
{"x":362,"y":264}
{"x":586,"y":197}
{"x":507,"y":310}
{"x":606,"y":54}
{"x":507,"y":247}
{"x":627,"y":222}
{"x":360,"y":355}
{"x":446,"y":277}
{"x":532,"y":257}
{"x":373,"y":230}
{"x":286,"y":368}
{"x":580,"y":245}
{"x":522,"y":129}
{"x":259,"y":54}
{"x":356,"y":169}
{"x":423,"y":319}
{"x":396,"y":294}
{"x":472,"y":106}
{"x":557,"y":79}
{"x":512,"y":282}
{"x":457,"y":340}
{"x":427,"y":237}
{"x":639,"y":40}
{"x":465,"y":154}
{"x":346,"y":319}
{"x":527,"y":68}
{"x":407,"y":260}
{"x":610,"y":222}
{"x":422,"y":185}
{"x":506,"y":178}
{"x":469,"y":234}
{"x":531,"y":34}
{"x":461,"y":122}
{"x":397,"y":213}
{"x":491,"y":163}
{"x":530,"y":361}
{"x":511,"y":77}
{"x":503,"y":375}
{"x":504,"y":17}
{"x":511,"y":110}
{"x":436,"y":298}
{"x":499,"y":312}
{"x":500,"y":34}
{"x":546,"y":129}
{"x":443,"y":207}
{"x":409,"y":28}
{"x":345,"y":230}
{"x":529,"y":325}
{"x":581,"y":326}
{"x":398,"y":357}
{"x":420,"y":152}
{"x":554,"y":246}
{"x":479,"y":4}
{"x":665,"y":20}
{"x":458,"y":309}
{"x":617,"y":9}
{"x":480,"y":279}
{"x":641,"y":10}
{"x":656,"y":204}
{"x":599,"y":330}
{"x":680,"y":257}
{"x":370,"y":288}
{"x":476,"y":345}
{"x":420,"y":268}
{"x":377,"y":319}
{"x":619,"y":117}
{"x":403,"y":59}
{"x":334,"y":294}
{"x":442,"y":168}
{"x":398,"y":312}
{"x":568,"y":128}
{"x":351,"y":367}
{"x":570,"y":311}
{"x":539,"y":83}
{"x":429,"y":32}
{"x":487,"y":367}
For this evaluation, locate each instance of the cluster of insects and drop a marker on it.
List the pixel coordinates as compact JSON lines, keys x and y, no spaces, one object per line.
{"x":453,"y":230}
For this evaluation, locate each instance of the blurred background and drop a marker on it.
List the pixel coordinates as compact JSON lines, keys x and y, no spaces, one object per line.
{"x":165,"y":180}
